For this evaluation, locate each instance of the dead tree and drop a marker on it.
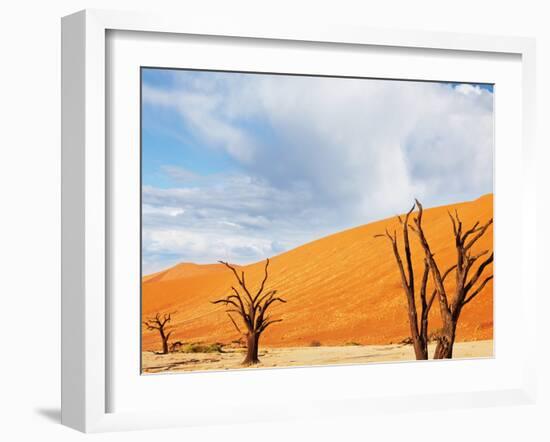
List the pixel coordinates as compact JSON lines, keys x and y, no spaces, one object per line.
{"x":418,"y":322}
{"x":252,"y":308}
{"x":465,"y":291}
{"x":160,"y":324}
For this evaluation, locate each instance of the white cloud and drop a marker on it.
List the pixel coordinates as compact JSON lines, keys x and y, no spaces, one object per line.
{"x":332,"y":153}
{"x":468,"y":89}
{"x":199,"y":112}
{"x":230,"y":217}
{"x":188,"y":244}
{"x":149,"y":210}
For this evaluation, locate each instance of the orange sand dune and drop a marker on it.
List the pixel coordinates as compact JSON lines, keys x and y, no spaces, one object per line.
{"x":341,"y":288}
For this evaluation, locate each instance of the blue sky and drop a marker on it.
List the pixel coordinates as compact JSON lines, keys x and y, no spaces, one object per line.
{"x":244,"y":166}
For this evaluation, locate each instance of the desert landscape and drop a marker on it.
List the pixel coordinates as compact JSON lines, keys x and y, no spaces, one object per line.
{"x":342,"y":299}
{"x":231,"y":358}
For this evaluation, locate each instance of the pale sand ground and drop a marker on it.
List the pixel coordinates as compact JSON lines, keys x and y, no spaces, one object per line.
{"x":301,"y":356}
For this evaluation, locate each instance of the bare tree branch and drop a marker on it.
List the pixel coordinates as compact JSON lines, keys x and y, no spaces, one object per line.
{"x":261,"y":289}
{"x":159,"y":324}
{"x":268,"y":323}
{"x":253,"y":314}
{"x":450,"y":311}
{"x":480,"y":233}
{"x":234,"y":323}
{"x":418,"y":323}
{"x":478,"y":290}
{"x":240,"y":280}
{"x":479,"y":271}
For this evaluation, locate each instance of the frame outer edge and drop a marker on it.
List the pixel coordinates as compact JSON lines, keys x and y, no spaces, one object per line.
{"x":84,"y":385}
{"x":83,"y":185}
{"x":95,"y":258}
{"x":337,"y":33}
{"x":530,"y":286}
{"x":73,"y":362}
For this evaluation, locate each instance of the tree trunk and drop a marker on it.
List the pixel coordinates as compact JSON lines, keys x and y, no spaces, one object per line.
{"x":252,"y":340}
{"x":445,"y":342}
{"x":420,"y":349}
{"x":164,"y":342}
{"x":419,"y":345}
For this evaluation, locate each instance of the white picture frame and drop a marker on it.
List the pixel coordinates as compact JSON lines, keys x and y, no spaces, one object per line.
{"x":86,"y":315}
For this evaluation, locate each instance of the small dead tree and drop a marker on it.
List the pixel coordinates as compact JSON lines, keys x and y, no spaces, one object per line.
{"x":160,"y":324}
{"x":252,"y":309}
{"x":418,"y":322}
{"x":451,"y":307}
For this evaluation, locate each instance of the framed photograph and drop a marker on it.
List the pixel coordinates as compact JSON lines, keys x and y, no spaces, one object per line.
{"x":319,"y":213}
{"x":266,"y":240}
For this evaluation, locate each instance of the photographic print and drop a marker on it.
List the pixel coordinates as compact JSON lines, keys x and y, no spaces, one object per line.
{"x":295,"y":220}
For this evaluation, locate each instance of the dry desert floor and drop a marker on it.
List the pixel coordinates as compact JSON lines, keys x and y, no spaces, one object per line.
{"x":301,"y":356}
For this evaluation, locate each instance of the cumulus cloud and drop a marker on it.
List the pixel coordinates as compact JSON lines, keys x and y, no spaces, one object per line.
{"x":316,"y":155}
{"x":200,"y":113}
{"x":236,"y":218}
